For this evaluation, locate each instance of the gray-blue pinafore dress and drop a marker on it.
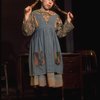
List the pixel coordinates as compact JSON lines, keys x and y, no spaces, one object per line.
{"x":45,"y":52}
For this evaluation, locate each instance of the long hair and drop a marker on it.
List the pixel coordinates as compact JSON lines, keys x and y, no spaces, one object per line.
{"x":55,"y":5}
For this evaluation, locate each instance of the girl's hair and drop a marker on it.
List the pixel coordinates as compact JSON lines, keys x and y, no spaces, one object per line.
{"x":55,"y":5}
{"x":33,"y":5}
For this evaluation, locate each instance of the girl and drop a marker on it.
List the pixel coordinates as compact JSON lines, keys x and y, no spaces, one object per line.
{"x":45,"y":59}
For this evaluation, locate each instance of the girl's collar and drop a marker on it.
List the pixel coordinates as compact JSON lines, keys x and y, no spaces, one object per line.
{"x":46,"y":12}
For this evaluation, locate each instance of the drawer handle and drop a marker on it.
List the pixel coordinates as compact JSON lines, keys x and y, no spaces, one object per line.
{"x":69,"y":61}
{"x":70,"y":71}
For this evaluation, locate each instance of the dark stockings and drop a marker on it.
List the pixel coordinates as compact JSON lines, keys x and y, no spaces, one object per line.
{"x":44,"y":93}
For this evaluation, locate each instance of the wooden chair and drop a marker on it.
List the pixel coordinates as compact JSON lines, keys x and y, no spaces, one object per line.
{"x":89,"y":60}
{"x":4,"y":75}
{"x":89,"y":65}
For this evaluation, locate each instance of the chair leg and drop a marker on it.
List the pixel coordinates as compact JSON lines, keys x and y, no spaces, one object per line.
{"x":6,"y":76}
{"x":62,"y":93}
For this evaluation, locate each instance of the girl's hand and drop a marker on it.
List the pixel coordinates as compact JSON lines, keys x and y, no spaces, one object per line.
{"x":69,"y":17}
{"x":27,"y":12}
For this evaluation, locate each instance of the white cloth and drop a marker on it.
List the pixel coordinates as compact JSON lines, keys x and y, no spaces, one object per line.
{"x":50,"y":80}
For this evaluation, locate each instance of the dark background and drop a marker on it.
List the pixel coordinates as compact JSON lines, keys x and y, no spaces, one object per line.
{"x":85,"y":35}
{"x":13,"y":43}
{"x":87,"y":19}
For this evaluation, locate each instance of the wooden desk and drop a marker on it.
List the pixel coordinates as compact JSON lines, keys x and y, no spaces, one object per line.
{"x":72,"y":72}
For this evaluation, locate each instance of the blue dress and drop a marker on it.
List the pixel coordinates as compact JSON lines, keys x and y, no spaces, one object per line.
{"x":44,"y":47}
{"x":45,"y":52}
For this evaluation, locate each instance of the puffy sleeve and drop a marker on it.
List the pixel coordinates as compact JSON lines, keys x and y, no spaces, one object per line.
{"x":28,"y":27}
{"x":63,"y":29}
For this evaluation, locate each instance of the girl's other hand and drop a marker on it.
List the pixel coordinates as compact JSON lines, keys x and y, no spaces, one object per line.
{"x":69,"y":16}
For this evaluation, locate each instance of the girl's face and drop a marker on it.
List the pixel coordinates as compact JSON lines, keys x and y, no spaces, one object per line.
{"x":47,"y":4}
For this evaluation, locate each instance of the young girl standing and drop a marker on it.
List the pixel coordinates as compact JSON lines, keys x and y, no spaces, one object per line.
{"x":45,"y":59}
